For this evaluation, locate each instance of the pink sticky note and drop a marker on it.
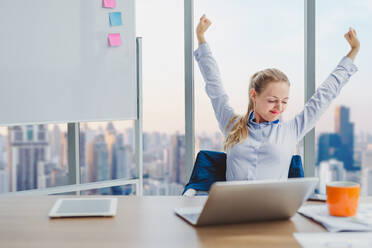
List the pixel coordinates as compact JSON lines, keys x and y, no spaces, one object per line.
{"x":114,"y":39}
{"x":109,"y":4}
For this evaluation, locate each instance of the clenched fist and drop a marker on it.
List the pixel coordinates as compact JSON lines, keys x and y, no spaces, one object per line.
{"x":201,"y":28}
{"x":354,"y":43}
{"x":352,"y":39}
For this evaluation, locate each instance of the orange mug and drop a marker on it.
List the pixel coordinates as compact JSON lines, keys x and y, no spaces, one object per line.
{"x":343,"y":198}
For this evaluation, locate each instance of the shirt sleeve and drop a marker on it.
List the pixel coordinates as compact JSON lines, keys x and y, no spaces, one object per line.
{"x":323,"y":97}
{"x":213,"y":86}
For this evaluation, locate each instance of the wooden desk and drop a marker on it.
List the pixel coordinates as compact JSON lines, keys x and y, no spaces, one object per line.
{"x":139,"y":222}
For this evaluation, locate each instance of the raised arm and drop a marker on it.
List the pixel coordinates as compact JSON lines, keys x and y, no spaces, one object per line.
{"x":328,"y":90}
{"x":209,"y":69}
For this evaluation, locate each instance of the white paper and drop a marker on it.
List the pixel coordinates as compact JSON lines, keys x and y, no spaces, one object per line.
{"x":339,"y":240}
{"x":361,"y":222}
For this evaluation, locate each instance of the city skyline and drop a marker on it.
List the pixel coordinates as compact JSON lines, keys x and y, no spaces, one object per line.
{"x":40,"y":157}
{"x":245,"y":36}
{"x":163,"y":62}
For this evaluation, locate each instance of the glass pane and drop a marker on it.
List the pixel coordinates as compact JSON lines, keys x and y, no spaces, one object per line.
{"x":107,"y":151}
{"x":33,"y":157}
{"x":161,"y":25}
{"x":245,"y":37}
{"x":344,"y":133}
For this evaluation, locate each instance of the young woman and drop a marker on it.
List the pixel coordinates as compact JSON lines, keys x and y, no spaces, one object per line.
{"x":258,"y":145}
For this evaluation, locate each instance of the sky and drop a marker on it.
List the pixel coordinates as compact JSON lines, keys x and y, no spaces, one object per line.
{"x":247,"y":36}
{"x":334,"y":19}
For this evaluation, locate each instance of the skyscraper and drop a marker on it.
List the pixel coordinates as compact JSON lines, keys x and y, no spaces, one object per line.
{"x":177,"y":156}
{"x":82,"y":157}
{"x":82,"y":143}
{"x":55,"y":143}
{"x":98,"y":161}
{"x":129,"y":137}
{"x":329,"y":146}
{"x":27,"y":145}
{"x":110,"y":136}
{"x":345,"y":129}
{"x":63,"y":151}
{"x":122,"y":159}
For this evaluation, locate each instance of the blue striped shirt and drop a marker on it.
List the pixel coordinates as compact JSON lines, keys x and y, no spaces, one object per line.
{"x":267,"y":151}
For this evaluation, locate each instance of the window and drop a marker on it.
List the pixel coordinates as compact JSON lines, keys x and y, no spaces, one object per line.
{"x":107,"y":152}
{"x":344,"y":133}
{"x":107,"y":148}
{"x":161,"y":24}
{"x":29,"y":161}
{"x":246,"y":36}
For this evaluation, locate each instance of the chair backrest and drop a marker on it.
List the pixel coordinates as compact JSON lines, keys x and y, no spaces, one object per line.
{"x":210,"y":167}
{"x":296,"y":169}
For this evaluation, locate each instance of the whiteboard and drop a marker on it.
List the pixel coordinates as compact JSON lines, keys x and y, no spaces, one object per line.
{"x":56,"y":65}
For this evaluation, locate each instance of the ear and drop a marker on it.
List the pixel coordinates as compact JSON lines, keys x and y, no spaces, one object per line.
{"x":253,"y":94}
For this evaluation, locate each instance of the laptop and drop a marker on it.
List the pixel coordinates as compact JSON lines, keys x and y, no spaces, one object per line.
{"x":248,"y":201}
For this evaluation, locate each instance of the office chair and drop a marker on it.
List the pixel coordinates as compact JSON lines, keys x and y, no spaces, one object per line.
{"x":210,"y":167}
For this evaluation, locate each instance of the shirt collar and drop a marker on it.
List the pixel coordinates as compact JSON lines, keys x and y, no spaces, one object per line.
{"x":251,"y":118}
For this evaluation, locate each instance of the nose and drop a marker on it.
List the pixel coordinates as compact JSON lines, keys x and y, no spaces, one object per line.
{"x":279,"y":106}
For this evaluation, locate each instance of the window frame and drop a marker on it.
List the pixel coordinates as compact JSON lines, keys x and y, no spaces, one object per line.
{"x":309,"y":87}
{"x":73,"y":128}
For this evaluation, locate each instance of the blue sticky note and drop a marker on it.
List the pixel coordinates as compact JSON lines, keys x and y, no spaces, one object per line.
{"x":115,"y":19}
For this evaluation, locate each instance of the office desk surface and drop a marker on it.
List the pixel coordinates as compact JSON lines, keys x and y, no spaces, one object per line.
{"x":139,"y":222}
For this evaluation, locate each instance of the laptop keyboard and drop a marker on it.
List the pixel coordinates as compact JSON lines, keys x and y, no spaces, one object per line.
{"x":193,"y":218}
{"x":191,"y":214}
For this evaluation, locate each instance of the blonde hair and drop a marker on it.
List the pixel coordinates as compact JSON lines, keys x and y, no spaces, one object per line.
{"x":258,"y":82}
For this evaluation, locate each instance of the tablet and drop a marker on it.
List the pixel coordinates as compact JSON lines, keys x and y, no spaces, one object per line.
{"x":77,"y":207}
